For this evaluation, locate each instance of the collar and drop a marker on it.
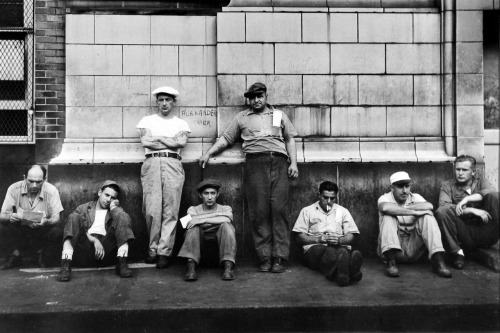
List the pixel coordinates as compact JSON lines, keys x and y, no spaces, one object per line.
{"x":318,"y":207}
{"x":269,"y":106}
{"x":24,"y":190}
{"x":408,"y":200}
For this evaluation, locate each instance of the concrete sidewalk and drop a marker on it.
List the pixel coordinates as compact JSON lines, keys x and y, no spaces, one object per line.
{"x":298,"y":300}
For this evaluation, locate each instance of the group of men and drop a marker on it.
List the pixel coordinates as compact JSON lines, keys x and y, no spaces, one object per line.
{"x":99,"y":232}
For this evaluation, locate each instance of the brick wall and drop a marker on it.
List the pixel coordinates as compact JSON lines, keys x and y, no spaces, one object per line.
{"x":49,"y":69}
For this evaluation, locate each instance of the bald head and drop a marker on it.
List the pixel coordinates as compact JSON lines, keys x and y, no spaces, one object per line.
{"x":34,"y":179}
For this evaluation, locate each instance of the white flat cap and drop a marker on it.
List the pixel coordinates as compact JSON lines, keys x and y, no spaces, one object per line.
{"x":165,"y":90}
{"x":400,"y":177}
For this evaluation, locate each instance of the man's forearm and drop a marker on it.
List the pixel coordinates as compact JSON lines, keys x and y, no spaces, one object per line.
{"x":215,"y":218}
{"x":395,"y":210}
{"x":218,"y":146}
{"x":304,"y":239}
{"x":291,"y":150}
{"x":476,"y":197}
{"x":420,"y":206}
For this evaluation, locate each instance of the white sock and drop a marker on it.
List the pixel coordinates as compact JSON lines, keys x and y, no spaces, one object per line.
{"x":67,"y":254}
{"x":123,"y":251}
{"x":461,"y":252}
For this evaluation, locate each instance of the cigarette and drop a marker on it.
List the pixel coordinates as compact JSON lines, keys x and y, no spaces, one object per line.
{"x":328,"y":208}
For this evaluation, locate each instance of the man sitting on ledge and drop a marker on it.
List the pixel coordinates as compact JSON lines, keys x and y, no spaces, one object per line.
{"x":468,"y":211}
{"x":408,"y":228}
{"x":97,"y":232}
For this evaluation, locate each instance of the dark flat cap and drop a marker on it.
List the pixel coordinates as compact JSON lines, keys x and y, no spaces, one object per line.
{"x":108,"y":183}
{"x":255,"y":89}
{"x":208,"y":183}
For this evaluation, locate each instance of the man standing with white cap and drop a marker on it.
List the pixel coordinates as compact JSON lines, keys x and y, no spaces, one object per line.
{"x":408,"y":228}
{"x":162,"y":175}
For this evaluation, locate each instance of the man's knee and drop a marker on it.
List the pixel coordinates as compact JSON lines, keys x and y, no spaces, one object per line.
{"x":491,"y":197}
{"x":444,"y":211}
{"x":228,"y":229}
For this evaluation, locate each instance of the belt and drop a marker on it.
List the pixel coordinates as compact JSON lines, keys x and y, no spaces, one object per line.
{"x":165,"y":154}
{"x":267,"y":153}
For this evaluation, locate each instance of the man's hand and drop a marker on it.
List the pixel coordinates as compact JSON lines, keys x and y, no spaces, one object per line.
{"x":15,"y":218}
{"x":423,"y":212}
{"x":204,"y":160}
{"x":99,"y":249}
{"x":461,"y":205}
{"x":113,"y":204}
{"x":484,"y":215}
{"x":293,"y":171}
{"x":333,"y":239}
{"x":195,"y":221}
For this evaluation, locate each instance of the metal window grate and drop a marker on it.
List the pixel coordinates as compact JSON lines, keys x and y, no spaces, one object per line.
{"x":16,"y":71}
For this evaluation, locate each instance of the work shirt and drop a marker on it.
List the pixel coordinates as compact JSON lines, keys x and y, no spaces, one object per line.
{"x":160,"y":126}
{"x":47,"y":201}
{"x":406,"y":222}
{"x":258,"y":133}
{"x":451,"y":193}
{"x":314,"y":221}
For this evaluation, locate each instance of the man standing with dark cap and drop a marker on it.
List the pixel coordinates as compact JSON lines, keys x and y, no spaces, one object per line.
{"x":209,"y":221}
{"x":271,"y":158}
{"x":408,"y":229}
{"x":97,"y":233}
{"x":162,"y":175}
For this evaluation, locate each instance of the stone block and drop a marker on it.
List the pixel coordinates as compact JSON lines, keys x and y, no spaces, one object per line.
{"x":230,"y":90}
{"x":79,"y":91}
{"x":448,"y":89}
{"x":93,"y":59}
{"x":118,"y":152}
{"x":131,"y":117}
{"x":473,"y":146}
{"x":245,"y":58}
{"x":385,"y":89}
{"x":358,"y":58}
{"x":273,"y":27}
{"x":469,"y":26}
{"x":427,"y":28}
{"x":474,"y":5}
{"x":469,"y":58}
{"x":310,"y":121}
{"x":385,"y":28}
{"x":211,"y":91}
{"x":432,"y":151}
{"x":201,"y":121}
{"x":230,"y":155}
{"x":318,"y":89}
{"x":164,"y":60}
{"x":192,"y":89}
{"x":469,"y":89}
{"x":345,"y":90}
{"x":359,"y":121}
{"x":122,"y":91}
{"x":343,"y":27}
{"x":79,"y":29}
{"x":388,"y":152}
{"x":191,"y":152}
{"x":230,"y":27}
{"x":197,"y":60}
{"x":414,"y":121}
{"x":137,"y":60}
{"x":448,"y":58}
{"x":470,"y":121}
{"x":107,"y":122}
{"x":302,"y":59}
{"x":211,"y":30}
{"x":122,"y":29}
{"x":492,"y":161}
{"x":427,"y":89}
{"x":178,"y":30}
{"x":413,"y":59}
{"x":74,"y":151}
{"x":315,"y":27}
{"x":281,"y":89}
{"x":225,"y":116}
{"x":331,"y":152}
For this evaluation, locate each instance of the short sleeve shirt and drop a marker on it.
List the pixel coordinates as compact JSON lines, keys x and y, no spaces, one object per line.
{"x":48,"y":199}
{"x":163,"y":127}
{"x":314,"y":221}
{"x":258,"y":133}
{"x":406,"y":223}
{"x":451,"y":193}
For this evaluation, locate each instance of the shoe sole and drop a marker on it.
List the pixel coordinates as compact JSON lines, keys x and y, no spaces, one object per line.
{"x":356,"y":263}
{"x":278,"y":270}
{"x":343,"y":268}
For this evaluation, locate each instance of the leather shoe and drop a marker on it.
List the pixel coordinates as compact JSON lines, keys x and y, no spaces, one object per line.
{"x":122,"y":268}
{"x":64,"y":271}
{"x":343,"y":263}
{"x":391,"y":270}
{"x":12,"y":261}
{"x":151,"y":259}
{"x":228,"y":273}
{"x":265,"y":265}
{"x":278,"y":266}
{"x":439,"y":267}
{"x":458,"y":261}
{"x":191,"y":271}
{"x":356,"y":262}
{"x":163,"y":262}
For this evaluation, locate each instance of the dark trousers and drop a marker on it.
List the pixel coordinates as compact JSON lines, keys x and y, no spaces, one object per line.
{"x":469,"y":232}
{"x":23,"y":238}
{"x":117,"y":234}
{"x":266,"y":183}
{"x":324,"y":259}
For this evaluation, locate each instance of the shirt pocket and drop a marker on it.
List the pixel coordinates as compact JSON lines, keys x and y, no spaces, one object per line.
{"x":315,"y":225}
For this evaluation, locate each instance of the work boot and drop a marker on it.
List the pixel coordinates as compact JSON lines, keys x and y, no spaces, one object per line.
{"x":163,"y":262}
{"x":122,"y":268}
{"x":228,"y":273}
{"x":278,"y":266}
{"x":343,"y":262}
{"x":391,"y":269}
{"x":458,"y":261}
{"x":64,"y":271}
{"x":12,"y":261}
{"x":438,"y":265}
{"x":356,"y":262}
{"x":191,"y":271}
{"x":41,"y":259}
{"x":265,"y":265}
{"x":151,"y":259}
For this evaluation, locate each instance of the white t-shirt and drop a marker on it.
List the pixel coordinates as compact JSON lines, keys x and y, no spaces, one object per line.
{"x":98,"y":226}
{"x":163,"y":127}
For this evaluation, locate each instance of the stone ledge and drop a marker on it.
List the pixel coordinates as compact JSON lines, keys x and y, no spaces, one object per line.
{"x":336,"y":3}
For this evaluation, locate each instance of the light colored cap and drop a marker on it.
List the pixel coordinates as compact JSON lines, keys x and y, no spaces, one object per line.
{"x":108,"y":183}
{"x":400,"y":177}
{"x":165,"y":90}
